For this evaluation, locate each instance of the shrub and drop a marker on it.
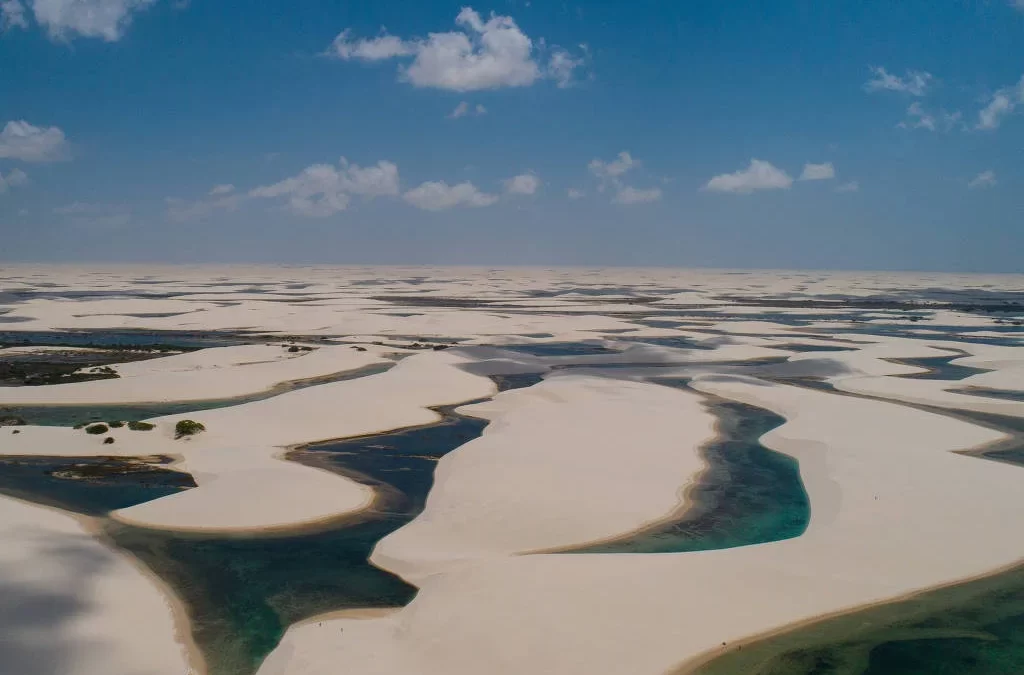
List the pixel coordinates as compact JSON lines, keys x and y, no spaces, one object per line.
{"x":115,"y":424}
{"x":108,"y":440}
{"x":140,"y":426}
{"x":97,"y":429}
{"x":187,"y":428}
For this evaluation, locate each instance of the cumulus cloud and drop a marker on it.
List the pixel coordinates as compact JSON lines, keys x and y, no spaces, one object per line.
{"x":1002,"y":104}
{"x":852,"y":186}
{"x":759,"y":175}
{"x":573,"y":193}
{"x":818,"y":171}
{"x":438,"y":196}
{"x":12,"y":15}
{"x":104,"y":19}
{"x":14,"y":178}
{"x":622,"y":163}
{"x":222,"y":189}
{"x":985,"y":179}
{"x":322,"y":190}
{"x":914,"y":82}
{"x":463,"y":109}
{"x":523,"y":184}
{"x":21,"y":140}
{"x":631,"y":195}
{"x":489,"y":54}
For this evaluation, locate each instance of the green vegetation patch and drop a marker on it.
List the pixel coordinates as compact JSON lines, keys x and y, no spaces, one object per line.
{"x":187,"y":428}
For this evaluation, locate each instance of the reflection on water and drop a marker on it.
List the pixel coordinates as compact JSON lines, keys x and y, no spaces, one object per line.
{"x":976,"y":628}
{"x":748,"y":495}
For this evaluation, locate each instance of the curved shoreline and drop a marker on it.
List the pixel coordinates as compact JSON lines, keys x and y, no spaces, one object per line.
{"x":698,"y":665}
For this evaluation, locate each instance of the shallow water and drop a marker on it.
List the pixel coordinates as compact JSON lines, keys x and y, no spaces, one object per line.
{"x":70,"y":415}
{"x":976,"y":628}
{"x":182,"y":340}
{"x":560,"y":349}
{"x":30,"y":478}
{"x":940,"y":368}
{"x":749,"y":495}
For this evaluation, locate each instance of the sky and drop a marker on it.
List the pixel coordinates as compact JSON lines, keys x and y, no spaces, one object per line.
{"x":852,"y":134}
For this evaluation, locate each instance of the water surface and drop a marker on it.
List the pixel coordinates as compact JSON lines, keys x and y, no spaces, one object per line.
{"x":748,"y":495}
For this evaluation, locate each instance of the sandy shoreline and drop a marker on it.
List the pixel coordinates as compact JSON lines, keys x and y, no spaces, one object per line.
{"x":695,"y":665}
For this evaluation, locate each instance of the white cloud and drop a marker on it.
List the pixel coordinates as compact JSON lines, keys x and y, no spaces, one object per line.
{"x":14,"y":178}
{"x":21,"y":140}
{"x":438,"y":196}
{"x":919,"y":118}
{"x":222,"y":189}
{"x":487,"y":54}
{"x":376,"y":49}
{"x":985,"y":179}
{"x":106,"y":19}
{"x":1003,"y":103}
{"x":523,"y":184}
{"x":463,"y":109}
{"x":573,"y":193}
{"x":322,"y":190}
{"x":818,"y":171}
{"x":95,"y":215}
{"x":914,"y":82}
{"x":630,"y":195}
{"x":759,"y":175}
{"x":623,"y":163}
{"x":852,"y":186}
{"x":12,"y":15}
{"x":562,"y":66}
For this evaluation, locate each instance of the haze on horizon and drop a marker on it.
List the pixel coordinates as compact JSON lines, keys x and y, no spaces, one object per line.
{"x":845,"y":135}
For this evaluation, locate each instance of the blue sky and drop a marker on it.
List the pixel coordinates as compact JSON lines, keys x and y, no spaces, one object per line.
{"x":851,"y":134}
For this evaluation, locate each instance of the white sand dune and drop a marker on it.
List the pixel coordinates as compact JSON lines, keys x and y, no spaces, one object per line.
{"x":894,"y":510}
{"x":70,"y":605}
{"x":558,"y":465}
{"x":219,"y":372}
